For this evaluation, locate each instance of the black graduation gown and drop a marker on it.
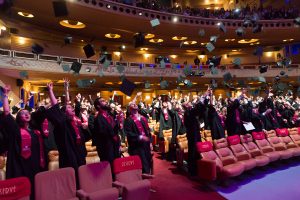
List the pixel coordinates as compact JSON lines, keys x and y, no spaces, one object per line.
{"x":136,"y":146}
{"x":246,"y":115}
{"x":16,"y":165}
{"x":71,"y":154}
{"x":269,"y":120}
{"x":288,"y":115}
{"x":103,"y":138}
{"x":215,"y":124}
{"x":257,"y":121}
{"x":193,"y":135}
{"x":165,"y":124}
{"x":233,"y":127}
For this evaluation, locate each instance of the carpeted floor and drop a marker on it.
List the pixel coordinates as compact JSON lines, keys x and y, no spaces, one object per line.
{"x":172,"y":183}
{"x":275,"y":182}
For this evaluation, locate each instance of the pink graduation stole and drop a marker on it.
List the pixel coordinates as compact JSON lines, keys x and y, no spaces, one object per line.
{"x":120,"y":118}
{"x":42,"y":156}
{"x":76,"y":123}
{"x":237,"y":116}
{"x":108,"y":118}
{"x":25,"y":143}
{"x":45,"y":127}
{"x":181,"y":117}
{"x":139,"y":125}
{"x":166,"y":116}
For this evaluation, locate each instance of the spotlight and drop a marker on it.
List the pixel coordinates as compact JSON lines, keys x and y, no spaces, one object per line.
{"x":123,"y":47}
{"x":140,"y":13}
{"x":108,"y":6}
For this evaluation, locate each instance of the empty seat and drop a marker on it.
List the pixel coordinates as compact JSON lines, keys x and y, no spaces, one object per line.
{"x":2,"y":167}
{"x":53,"y":160}
{"x":92,"y":155}
{"x":265,"y":146}
{"x":207,"y":134}
{"x":240,"y":152}
{"x":210,"y":167}
{"x":182,"y":150}
{"x":56,"y":185}
{"x":128,"y":175}
{"x":15,"y":189}
{"x":295,"y":135}
{"x":164,"y":144}
{"x":283,"y":134}
{"x":278,"y":145}
{"x":95,"y":182}
{"x":256,"y":153}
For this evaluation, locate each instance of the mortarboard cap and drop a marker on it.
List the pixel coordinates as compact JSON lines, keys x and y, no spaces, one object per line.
{"x":37,"y":49}
{"x":68,"y":39}
{"x":227,"y":76}
{"x":257,"y":28}
{"x":277,"y":78}
{"x":214,"y":83}
{"x":187,"y":70}
{"x":180,"y":79}
{"x":76,"y":67}
{"x":23,"y":74}
{"x":162,"y":64}
{"x":297,"y":21}
{"x":155,"y":22}
{"x":222,"y":27}
{"x":120,"y":68}
{"x":261,"y":79}
{"x":210,"y":47}
{"x":164,"y":84}
{"x":139,"y":40}
{"x":258,"y":51}
{"x":66,"y":67}
{"x":60,"y":8}
{"x":263,"y":68}
{"x":237,"y":61}
{"x":83,"y":83}
{"x":106,"y":64}
{"x":127,"y":87}
{"x":213,"y":39}
{"x":282,"y":73}
{"x":89,"y":50}
{"x":240,"y":31}
{"x":201,"y":32}
{"x":15,"y":109}
{"x":147,"y":85}
{"x":214,"y":70}
{"x":101,"y":73}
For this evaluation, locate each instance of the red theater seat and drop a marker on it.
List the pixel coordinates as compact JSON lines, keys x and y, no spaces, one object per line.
{"x":295,"y":135}
{"x":95,"y":182}
{"x":240,"y":152}
{"x":256,"y":153}
{"x":56,"y":185}
{"x":15,"y":189}
{"x":265,"y":146}
{"x":278,"y":145}
{"x":283,"y":134}
{"x":211,"y":166}
{"x":128,"y":174}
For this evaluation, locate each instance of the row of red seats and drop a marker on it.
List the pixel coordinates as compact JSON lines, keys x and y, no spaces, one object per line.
{"x":95,"y":182}
{"x":231,"y":156}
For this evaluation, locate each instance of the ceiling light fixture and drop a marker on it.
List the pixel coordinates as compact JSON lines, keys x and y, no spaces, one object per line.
{"x":190,"y":42}
{"x":144,"y":49}
{"x":179,"y":38}
{"x":247,"y":41}
{"x":112,"y":35}
{"x":192,"y":51}
{"x":156,"y":40}
{"x":149,"y":36}
{"x":24,"y":14}
{"x":175,"y":19}
{"x":72,"y":24}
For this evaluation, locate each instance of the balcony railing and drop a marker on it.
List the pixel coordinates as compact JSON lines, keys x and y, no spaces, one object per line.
{"x":110,"y":6}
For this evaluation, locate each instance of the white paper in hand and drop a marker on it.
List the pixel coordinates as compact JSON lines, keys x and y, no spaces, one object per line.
{"x":248,"y":126}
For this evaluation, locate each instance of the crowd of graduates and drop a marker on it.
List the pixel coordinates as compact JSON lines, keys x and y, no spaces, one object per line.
{"x":26,"y":136}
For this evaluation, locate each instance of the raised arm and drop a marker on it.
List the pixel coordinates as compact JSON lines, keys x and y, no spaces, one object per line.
{"x":66,"y":88}
{"x":6,"y":90}
{"x":52,"y":97}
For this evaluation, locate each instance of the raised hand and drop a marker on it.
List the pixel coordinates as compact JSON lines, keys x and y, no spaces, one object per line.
{"x":6,"y":89}
{"x":50,"y":86}
{"x":66,"y":82}
{"x":139,"y":94}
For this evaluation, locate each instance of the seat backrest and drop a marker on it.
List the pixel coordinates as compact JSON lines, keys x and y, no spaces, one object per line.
{"x":2,"y":162}
{"x":237,"y":148}
{"x":55,"y":185}
{"x":15,"y":189}
{"x":167,"y":133}
{"x":207,"y":133}
{"x":206,"y":151}
{"x":282,"y":132}
{"x":294,"y":131}
{"x":262,"y":142}
{"x":224,"y":152}
{"x":249,"y":145}
{"x":95,"y":176}
{"x":128,"y":169}
{"x":182,"y":141}
{"x":275,"y":141}
{"x":53,"y":155}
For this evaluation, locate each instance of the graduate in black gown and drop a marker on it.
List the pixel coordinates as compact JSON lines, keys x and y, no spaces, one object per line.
{"x":105,"y":132}
{"x":25,"y":156}
{"x":70,"y":137}
{"x":233,"y":118}
{"x":138,"y":135}
{"x":191,"y":115}
{"x":166,"y":118}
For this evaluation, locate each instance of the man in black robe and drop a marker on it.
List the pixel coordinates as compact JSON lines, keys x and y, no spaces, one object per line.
{"x":69,"y":135}
{"x":105,"y":132}
{"x":138,"y":135}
